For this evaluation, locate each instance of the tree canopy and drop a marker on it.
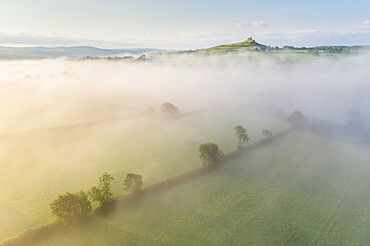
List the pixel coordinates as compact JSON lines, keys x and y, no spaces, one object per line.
{"x":133,"y":183}
{"x":296,"y":119}
{"x":101,"y":192}
{"x":169,"y":109}
{"x":210,"y":153}
{"x":71,"y":207}
{"x":267,"y":133}
{"x":241,"y":134}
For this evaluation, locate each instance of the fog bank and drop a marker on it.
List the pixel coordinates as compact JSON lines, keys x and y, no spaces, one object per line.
{"x":55,"y":92}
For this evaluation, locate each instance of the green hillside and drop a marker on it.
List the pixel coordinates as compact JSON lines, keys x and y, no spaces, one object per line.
{"x":304,"y":189}
{"x":249,"y":44}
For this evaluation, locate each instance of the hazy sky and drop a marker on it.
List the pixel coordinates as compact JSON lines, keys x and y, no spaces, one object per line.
{"x":183,"y":24}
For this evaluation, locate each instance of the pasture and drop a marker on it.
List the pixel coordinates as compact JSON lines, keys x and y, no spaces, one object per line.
{"x":304,"y":189}
{"x":37,"y":165}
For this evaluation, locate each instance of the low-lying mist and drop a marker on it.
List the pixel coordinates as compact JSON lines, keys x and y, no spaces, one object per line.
{"x":63,"y":122}
{"x":54,"y":92}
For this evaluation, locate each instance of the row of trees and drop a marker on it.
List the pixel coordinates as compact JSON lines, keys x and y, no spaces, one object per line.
{"x":76,"y":207}
{"x":72,"y":207}
{"x":211,"y":154}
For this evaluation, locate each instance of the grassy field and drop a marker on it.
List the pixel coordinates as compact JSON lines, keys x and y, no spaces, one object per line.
{"x":304,"y":189}
{"x":37,"y":166}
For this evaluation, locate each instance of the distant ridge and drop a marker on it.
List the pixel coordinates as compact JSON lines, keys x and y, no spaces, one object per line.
{"x":74,"y":51}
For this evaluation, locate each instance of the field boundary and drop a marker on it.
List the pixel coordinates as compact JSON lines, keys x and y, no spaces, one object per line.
{"x":188,"y":176}
{"x":92,"y":123}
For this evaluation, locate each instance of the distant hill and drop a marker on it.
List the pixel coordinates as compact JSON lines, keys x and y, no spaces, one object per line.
{"x":75,"y":51}
{"x":251,"y":45}
{"x":90,"y":52}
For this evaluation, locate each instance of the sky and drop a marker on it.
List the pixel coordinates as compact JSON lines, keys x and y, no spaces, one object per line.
{"x":189,"y":24}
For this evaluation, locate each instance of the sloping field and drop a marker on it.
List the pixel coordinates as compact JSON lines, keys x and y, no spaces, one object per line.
{"x":36,"y":166}
{"x":304,"y":189}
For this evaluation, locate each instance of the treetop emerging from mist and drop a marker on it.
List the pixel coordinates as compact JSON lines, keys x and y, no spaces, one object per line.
{"x":169,"y":109}
{"x":296,"y":119}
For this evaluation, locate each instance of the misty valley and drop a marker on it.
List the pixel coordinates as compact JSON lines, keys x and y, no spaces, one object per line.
{"x":188,"y":148}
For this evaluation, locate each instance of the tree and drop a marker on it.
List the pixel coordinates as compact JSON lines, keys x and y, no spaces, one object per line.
{"x":133,"y":183}
{"x":241,"y":134}
{"x":296,"y":119}
{"x":210,"y":153}
{"x":169,"y":109}
{"x":102,"y":192}
{"x":71,"y":207}
{"x":267,"y":133}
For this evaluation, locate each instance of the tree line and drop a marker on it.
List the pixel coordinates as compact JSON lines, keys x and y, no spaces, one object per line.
{"x":211,"y":154}
{"x":76,"y":207}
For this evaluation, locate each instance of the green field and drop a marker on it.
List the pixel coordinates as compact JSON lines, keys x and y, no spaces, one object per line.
{"x":303,"y":189}
{"x":39,"y":165}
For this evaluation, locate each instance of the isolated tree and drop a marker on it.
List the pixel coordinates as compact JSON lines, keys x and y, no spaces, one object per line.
{"x":101,"y":192}
{"x":241,"y":134}
{"x":210,"y":153}
{"x":71,"y":207}
{"x":133,"y":183}
{"x":296,"y":119}
{"x":169,"y":109}
{"x":267,"y":133}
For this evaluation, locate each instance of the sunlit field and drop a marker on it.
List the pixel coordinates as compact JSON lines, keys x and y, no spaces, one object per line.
{"x":304,"y":189}
{"x":214,"y":123}
{"x":44,"y":163}
{"x":63,"y":122}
